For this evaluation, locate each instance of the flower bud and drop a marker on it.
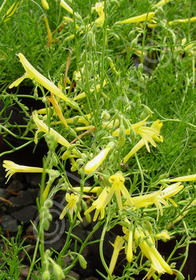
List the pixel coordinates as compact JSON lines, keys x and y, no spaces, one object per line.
{"x":130,"y":247}
{"x":105,"y":115}
{"x":48,"y":203}
{"x":46,"y":225}
{"x":45,"y":4}
{"x":58,"y":271}
{"x":91,"y":39}
{"x":82,"y":261}
{"x":46,"y":275}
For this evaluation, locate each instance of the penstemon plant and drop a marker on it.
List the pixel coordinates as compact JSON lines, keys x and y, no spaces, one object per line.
{"x":96,"y":134}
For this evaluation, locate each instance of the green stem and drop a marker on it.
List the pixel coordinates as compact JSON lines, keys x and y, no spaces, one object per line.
{"x":16,"y":149}
{"x":101,"y":244}
{"x":2,"y":6}
{"x":141,"y":173}
{"x":84,"y":244}
{"x":40,"y":238}
{"x":14,"y":135}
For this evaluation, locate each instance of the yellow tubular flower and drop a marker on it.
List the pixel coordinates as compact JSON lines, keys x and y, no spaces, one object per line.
{"x":99,"y":8}
{"x":48,"y":32}
{"x":42,"y":127}
{"x":106,"y":195}
{"x":137,"y":19}
{"x":118,"y":188}
{"x":80,"y":96}
{"x":185,"y":20}
{"x":58,"y":110}
{"x":129,"y":252}
{"x":88,"y":127}
{"x":148,"y":134}
{"x":71,"y":207}
{"x":99,"y":204}
{"x":135,"y":149}
{"x":146,"y":200}
{"x":93,"y":164}
{"x":171,"y":190}
{"x":149,"y":251}
{"x":11,"y":168}
{"x":66,"y":6}
{"x":128,"y":236}
{"x":88,"y":189}
{"x":118,"y":246}
{"x":157,"y":198}
{"x":45,"y":4}
{"x":33,"y":74}
{"x":184,"y":178}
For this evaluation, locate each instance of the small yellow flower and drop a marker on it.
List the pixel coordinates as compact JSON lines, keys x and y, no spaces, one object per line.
{"x":158,"y":198}
{"x":184,"y":20}
{"x":171,"y":191}
{"x":145,"y":242}
{"x":88,"y":189}
{"x":66,"y":6}
{"x":45,"y":4}
{"x":99,"y":204}
{"x":143,"y":201}
{"x":134,"y":150}
{"x":42,"y":127}
{"x":129,"y":247}
{"x":149,"y":250}
{"x":137,"y":19}
{"x":33,"y":74}
{"x":118,"y":246}
{"x":11,"y":168}
{"x":148,"y":134}
{"x":93,"y":164}
{"x":117,"y":188}
{"x":57,"y":109}
{"x":184,"y":178}
{"x":49,"y":33}
{"x":71,"y":207}
{"x":122,"y":242}
{"x":99,"y":8}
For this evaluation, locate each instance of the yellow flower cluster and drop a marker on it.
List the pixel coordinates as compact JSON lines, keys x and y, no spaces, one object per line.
{"x":113,"y":192}
{"x":134,"y":237}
